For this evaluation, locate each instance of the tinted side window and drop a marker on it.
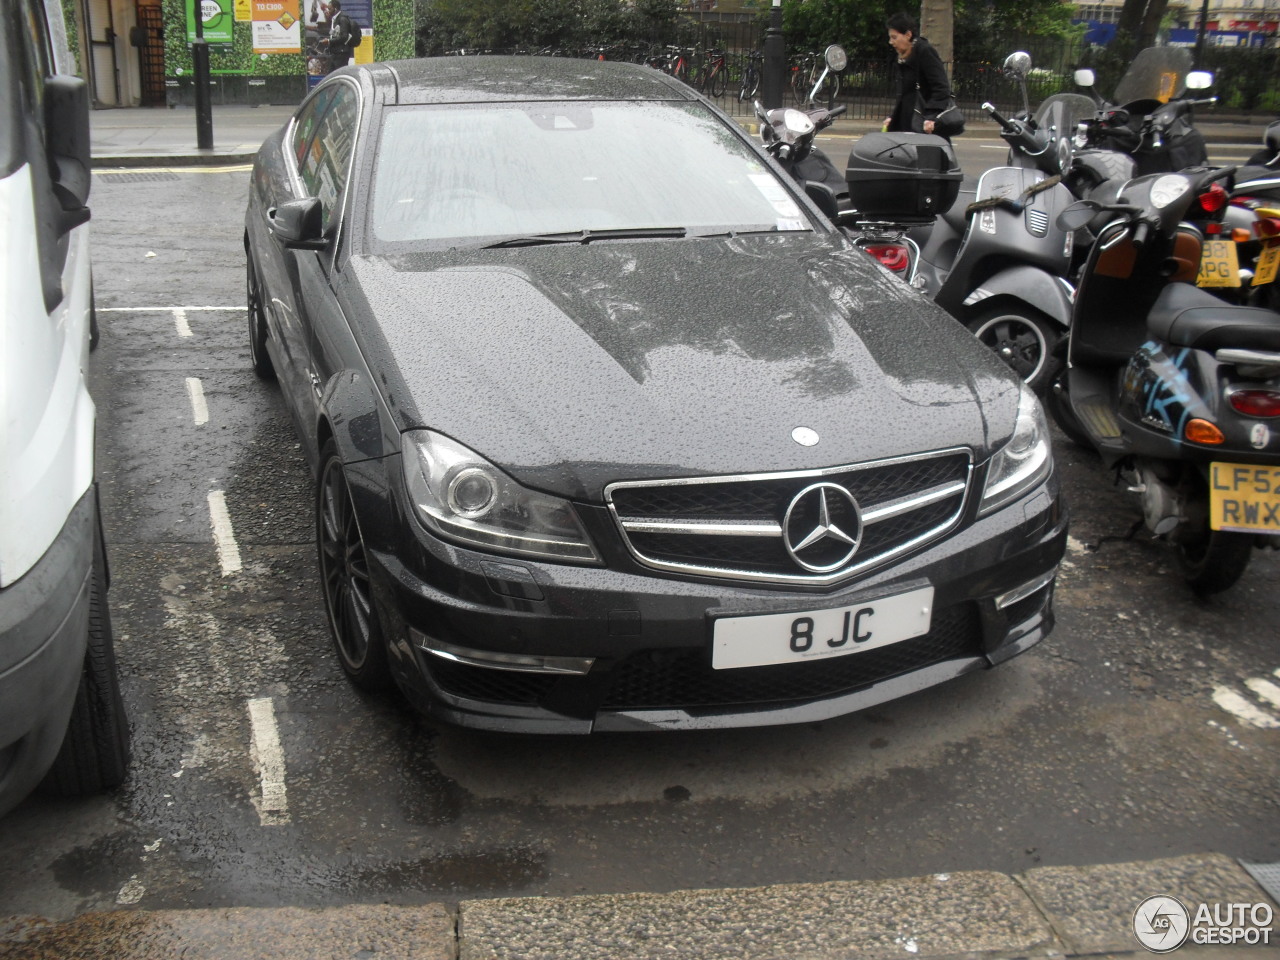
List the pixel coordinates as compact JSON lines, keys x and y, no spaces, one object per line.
{"x":305,"y":126}
{"x":328,"y":156}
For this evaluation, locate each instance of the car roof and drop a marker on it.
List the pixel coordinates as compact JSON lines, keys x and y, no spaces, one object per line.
{"x":489,"y":79}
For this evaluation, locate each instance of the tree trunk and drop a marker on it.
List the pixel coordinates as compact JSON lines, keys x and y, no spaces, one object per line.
{"x":937,"y":22}
{"x":1139,"y":23}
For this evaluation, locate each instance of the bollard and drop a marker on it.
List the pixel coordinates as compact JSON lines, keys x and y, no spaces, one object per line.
{"x":774,"y":68}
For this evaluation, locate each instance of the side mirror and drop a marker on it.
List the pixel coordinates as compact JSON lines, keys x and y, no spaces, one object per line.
{"x":1199,"y":80}
{"x":66,"y":112}
{"x":823,"y":197}
{"x":299,"y":224}
{"x":1078,"y":215}
{"x":836,"y":58}
{"x":1018,"y":64}
{"x":1084,"y":78}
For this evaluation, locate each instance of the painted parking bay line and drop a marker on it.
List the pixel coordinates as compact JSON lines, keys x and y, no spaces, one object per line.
{"x":1244,"y":710}
{"x":268,"y":758}
{"x":199,"y":408}
{"x":224,"y":536}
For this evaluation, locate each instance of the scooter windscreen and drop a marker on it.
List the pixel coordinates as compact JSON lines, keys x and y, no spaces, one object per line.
{"x":1157,"y":73}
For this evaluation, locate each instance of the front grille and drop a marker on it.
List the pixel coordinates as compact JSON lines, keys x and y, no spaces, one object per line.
{"x":736,"y":527}
{"x":685,"y":679}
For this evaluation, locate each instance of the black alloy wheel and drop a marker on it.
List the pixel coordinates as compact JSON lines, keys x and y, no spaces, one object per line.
{"x":1024,"y":339}
{"x":258,"y":356}
{"x":344,"y":578}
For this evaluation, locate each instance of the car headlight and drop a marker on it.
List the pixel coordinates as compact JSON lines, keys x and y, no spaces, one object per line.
{"x":463,"y":497}
{"x":1024,"y":461}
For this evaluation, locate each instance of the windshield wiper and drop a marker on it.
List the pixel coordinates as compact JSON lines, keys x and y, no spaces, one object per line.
{"x":586,"y":236}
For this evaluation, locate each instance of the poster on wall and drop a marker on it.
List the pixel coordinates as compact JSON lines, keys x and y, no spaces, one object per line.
{"x":216,"y":20}
{"x":316,"y":31}
{"x":277,"y":26}
{"x":243,"y":10}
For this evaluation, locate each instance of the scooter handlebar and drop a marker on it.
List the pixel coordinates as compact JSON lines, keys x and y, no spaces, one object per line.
{"x":1140,"y":233}
{"x":994,"y":114}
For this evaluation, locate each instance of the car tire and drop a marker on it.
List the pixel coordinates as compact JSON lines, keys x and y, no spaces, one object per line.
{"x":1025,"y":339}
{"x":1214,"y":563}
{"x":258,"y":356}
{"x":95,"y":752}
{"x":345,"y":580}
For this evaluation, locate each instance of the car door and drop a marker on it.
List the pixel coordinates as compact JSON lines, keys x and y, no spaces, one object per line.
{"x":325,"y":173}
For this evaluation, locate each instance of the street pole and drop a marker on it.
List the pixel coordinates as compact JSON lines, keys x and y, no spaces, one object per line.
{"x":1204,"y":16}
{"x":775,"y":60}
{"x":204,"y":106}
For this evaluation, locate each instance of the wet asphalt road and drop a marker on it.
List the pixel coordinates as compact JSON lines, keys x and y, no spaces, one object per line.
{"x":1103,"y":744}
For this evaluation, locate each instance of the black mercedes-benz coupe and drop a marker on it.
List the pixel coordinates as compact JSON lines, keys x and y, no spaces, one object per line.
{"x":612,"y":430}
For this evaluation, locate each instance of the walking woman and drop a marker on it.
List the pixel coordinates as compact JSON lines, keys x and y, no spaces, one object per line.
{"x":923,"y":88}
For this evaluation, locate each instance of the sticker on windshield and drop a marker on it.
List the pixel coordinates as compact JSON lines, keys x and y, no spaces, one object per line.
{"x":786,"y":208}
{"x":769,"y":188}
{"x":791,"y":225}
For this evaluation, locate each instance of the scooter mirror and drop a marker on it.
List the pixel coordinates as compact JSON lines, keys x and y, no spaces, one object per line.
{"x":1018,"y":64}
{"x":1078,"y":215}
{"x":836,"y":58}
{"x":1084,"y":78}
{"x":1199,"y":80}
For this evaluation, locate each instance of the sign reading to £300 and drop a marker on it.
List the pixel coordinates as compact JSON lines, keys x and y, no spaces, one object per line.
{"x":277,"y":27}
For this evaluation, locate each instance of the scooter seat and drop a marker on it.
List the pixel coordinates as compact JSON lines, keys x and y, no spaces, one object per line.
{"x":1186,"y":316}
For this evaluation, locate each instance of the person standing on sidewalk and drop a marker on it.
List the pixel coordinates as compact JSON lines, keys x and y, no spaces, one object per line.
{"x":923,"y":88}
{"x":340,"y":30}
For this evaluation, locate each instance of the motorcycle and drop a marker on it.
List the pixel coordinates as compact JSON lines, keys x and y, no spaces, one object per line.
{"x":996,"y":260}
{"x":1253,"y":223}
{"x":1151,"y":117}
{"x":1175,"y":389}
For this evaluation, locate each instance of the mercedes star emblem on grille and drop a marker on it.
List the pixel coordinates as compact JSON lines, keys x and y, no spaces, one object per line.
{"x":822,"y":527}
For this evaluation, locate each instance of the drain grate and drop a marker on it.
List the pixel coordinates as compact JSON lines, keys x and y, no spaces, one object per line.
{"x":1267,"y":875}
{"x":139,"y":177}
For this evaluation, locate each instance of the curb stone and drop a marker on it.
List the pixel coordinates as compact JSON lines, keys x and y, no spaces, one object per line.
{"x":1048,"y":913}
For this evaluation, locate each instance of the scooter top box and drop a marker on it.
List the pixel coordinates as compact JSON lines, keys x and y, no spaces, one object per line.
{"x":902,"y":176}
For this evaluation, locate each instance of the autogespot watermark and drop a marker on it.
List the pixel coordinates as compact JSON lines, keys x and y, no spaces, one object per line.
{"x":1163,"y":924}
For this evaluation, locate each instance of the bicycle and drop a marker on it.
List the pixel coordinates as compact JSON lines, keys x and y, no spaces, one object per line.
{"x":713,"y":77}
{"x":805,"y":76}
{"x":751,"y":77}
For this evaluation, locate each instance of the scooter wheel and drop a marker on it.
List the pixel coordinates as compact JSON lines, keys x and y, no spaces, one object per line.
{"x":1023,"y":338}
{"x":1216,"y":562}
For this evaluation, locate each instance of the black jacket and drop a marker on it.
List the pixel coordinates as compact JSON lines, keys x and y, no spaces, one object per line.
{"x":923,"y":68}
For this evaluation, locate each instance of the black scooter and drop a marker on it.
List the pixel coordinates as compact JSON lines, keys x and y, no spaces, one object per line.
{"x":1177,"y":390}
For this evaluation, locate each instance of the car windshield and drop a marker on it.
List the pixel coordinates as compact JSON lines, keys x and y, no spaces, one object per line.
{"x":513,"y":171}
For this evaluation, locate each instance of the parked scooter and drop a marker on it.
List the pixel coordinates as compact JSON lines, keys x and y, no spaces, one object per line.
{"x":996,"y":260}
{"x":1151,"y":116}
{"x":1177,"y":390}
{"x":1253,"y":222}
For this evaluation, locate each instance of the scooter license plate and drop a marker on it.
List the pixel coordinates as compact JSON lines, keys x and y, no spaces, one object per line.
{"x":1244,"y":498}
{"x":1219,"y":265}
{"x":1268,"y":263}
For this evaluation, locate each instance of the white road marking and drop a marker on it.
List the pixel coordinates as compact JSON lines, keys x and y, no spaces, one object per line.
{"x":1243,"y":710}
{"x":235,"y":168}
{"x":224,"y":536}
{"x":268,"y":758}
{"x":199,"y":409}
{"x":180,"y":322}
{"x":163,"y":309}
{"x":1265,"y":690}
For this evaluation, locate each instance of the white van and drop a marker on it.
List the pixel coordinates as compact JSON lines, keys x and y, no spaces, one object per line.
{"x":61,"y":715}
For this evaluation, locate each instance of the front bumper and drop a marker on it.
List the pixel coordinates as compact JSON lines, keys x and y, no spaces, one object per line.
{"x":44,"y":622}
{"x":647,"y":636}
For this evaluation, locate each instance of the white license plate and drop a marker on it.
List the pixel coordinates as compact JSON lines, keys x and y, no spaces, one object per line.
{"x":791,"y":637}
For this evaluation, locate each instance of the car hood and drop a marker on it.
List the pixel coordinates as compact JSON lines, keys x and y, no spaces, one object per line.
{"x":572,"y":366}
